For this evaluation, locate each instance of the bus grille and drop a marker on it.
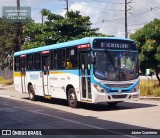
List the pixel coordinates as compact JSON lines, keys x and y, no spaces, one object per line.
{"x":119,"y":85}
{"x":119,"y":96}
{"x":123,"y":91}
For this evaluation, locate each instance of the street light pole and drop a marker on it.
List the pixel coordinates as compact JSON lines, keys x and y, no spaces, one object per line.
{"x":126,"y":31}
{"x":67,"y":5}
{"x":19,"y":27}
{"x":18,"y":4}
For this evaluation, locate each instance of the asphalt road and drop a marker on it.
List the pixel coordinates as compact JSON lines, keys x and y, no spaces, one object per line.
{"x":54,"y":117}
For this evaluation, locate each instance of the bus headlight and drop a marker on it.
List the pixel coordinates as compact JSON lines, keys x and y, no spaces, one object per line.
{"x":135,"y":89}
{"x":98,"y":88}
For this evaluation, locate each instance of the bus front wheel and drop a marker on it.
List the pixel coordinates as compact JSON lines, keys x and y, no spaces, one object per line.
{"x":72,"y":98}
{"x":31,"y":92}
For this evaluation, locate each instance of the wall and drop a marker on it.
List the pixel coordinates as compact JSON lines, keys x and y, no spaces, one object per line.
{"x":6,"y":73}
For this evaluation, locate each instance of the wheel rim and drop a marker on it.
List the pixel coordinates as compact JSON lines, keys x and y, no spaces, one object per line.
{"x":72,"y":98}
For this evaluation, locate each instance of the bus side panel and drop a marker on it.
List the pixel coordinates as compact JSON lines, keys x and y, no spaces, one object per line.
{"x":59,"y":82}
{"x":35,"y":78}
{"x":17,"y":81}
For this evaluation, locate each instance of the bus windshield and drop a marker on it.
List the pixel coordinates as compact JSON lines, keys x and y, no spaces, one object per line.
{"x":116,"y":66}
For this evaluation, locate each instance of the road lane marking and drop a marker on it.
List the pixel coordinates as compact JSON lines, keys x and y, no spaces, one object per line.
{"x":84,"y":124}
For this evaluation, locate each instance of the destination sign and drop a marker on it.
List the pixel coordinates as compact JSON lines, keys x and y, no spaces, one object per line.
{"x":12,"y":14}
{"x":114,"y":44}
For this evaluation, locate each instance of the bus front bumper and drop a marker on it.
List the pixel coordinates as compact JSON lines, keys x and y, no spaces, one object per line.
{"x":113,"y":97}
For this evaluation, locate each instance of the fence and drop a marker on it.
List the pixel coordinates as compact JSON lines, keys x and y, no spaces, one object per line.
{"x":6,"y":73}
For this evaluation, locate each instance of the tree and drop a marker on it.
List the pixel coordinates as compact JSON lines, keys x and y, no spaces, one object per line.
{"x":58,"y":29}
{"x":7,"y":43}
{"x":148,"y":42}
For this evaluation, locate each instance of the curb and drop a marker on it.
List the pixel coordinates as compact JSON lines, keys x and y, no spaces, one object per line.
{"x":5,"y":85}
{"x":149,"y":98}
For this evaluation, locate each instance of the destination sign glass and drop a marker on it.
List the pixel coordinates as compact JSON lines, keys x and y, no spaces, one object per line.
{"x":12,"y":14}
{"x":114,"y":44}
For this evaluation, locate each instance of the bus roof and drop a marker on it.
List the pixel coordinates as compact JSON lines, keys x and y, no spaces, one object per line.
{"x":65,"y":44}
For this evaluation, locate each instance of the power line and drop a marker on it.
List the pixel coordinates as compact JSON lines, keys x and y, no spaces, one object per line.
{"x":123,"y":25}
{"x":131,"y":16}
{"x":108,"y":2}
{"x":95,"y":8}
{"x":124,"y":30}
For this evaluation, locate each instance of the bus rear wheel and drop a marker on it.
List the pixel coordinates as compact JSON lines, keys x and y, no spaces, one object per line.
{"x":72,"y":98}
{"x":31,"y":92}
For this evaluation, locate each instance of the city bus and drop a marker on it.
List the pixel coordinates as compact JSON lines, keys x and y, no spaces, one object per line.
{"x":91,"y":69}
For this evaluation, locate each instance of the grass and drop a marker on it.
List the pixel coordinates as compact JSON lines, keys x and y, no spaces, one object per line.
{"x":6,"y":81}
{"x":149,"y":88}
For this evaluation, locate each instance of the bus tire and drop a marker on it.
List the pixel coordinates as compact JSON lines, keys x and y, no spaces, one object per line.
{"x":72,"y":98}
{"x":31,"y":93}
{"x":112,"y":103}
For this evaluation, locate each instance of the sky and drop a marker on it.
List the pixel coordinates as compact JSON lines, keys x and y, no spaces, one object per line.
{"x":107,"y":15}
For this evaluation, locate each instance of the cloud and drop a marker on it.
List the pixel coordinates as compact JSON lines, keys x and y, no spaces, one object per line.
{"x":86,"y":9}
{"x":108,"y":15}
{"x":6,"y":3}
{"x":55,"y":6}
{"x":90,"y":8}
{"x":99,"y":13}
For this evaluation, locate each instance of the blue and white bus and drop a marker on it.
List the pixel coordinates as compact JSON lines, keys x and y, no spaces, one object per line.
{"x":92,"y":70}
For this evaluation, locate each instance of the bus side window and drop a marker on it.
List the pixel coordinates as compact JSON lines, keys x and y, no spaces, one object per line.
{"x":71,"y":58}
{"x":52,"y":60}
{"x":55,"y":59}
{"x":17,"y":63}
{"x":37,"y":61}
{"x":60,"y":59}
{"x":30,"y":62}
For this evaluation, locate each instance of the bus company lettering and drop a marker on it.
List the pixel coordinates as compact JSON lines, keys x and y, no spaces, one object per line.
{"x":34,"y":133}
{"x":25,"y":132}
{"x":34,"y":76}
{"x":115,"y":45}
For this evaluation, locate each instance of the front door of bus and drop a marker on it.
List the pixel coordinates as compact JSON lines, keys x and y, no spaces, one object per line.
{"x":23,"y":73}
{"x":45,"y":74}
{"x":85,"y":67}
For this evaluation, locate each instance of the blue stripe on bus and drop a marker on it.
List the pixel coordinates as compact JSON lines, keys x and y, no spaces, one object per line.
{"x":108,"y":89}
{"x":75,"y":72}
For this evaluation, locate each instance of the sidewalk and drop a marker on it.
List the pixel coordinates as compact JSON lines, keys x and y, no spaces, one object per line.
{"x":8,"y":91}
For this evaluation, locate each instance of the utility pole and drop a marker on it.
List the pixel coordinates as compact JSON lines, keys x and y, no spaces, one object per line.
{"x":19,"y":31}
{"x":18,"y":4}
{"x":18,"y":37}
{"x":126,"y":27}
{"x":67,"y":5}
{"x":42,"y":19}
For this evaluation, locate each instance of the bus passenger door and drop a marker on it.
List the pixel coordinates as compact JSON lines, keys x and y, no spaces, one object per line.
{"x":23,"y":73}
{"x":85,"y":67}
{"x":45,"y":74}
